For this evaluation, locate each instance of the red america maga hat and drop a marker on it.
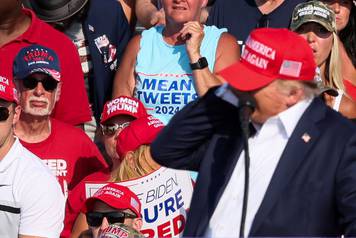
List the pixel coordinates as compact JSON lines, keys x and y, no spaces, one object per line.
{"x":271,"y":54}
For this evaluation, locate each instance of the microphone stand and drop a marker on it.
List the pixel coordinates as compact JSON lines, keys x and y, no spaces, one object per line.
{"x":247,"y":106}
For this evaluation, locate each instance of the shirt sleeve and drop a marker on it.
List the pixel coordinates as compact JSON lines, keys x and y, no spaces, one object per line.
{"x":42,"y":206}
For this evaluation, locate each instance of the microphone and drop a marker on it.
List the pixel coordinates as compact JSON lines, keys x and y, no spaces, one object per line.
{"x":247,"y":106}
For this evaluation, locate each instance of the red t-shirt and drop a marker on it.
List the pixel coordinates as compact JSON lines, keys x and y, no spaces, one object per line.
{"x":77,"y":197}
{"x":69,"y":153}
{"x":350,"y":89}
{"x":73,"y":105}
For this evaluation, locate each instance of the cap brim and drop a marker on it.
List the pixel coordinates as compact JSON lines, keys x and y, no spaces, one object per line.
{"x":326,"y":26}
{"x":243,"y":78}
{"x":46,"y":15}
{"x":89,"y":204}
{"x":50,"y":72}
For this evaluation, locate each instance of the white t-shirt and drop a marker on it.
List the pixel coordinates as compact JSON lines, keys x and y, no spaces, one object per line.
{"x":31,"y":200}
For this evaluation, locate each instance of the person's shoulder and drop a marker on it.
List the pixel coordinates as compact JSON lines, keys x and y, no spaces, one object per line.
{"x":56,"y":40}
{"x":30,"y":161}
{"x":31,"y":169}
{"x":335,"y":122}
{"x":99,"y":176}
{"x":50,"y":32}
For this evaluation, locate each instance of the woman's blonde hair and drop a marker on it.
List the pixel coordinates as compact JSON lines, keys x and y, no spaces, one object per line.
{"x":135,"y":164}
{"x":333,"y":76}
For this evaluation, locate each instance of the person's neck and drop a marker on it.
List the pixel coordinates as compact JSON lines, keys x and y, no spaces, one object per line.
{"x":33,"y":129}
{"x":171,"y":34}
{"x":12,"y":25}
{"x":268,"y":6}
{"x":6,"y":145}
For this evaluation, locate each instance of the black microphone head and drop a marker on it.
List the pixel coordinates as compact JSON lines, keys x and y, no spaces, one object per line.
{"x":246,"y":100}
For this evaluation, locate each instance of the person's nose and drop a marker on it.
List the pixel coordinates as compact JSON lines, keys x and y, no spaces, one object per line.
{"x":39,"y":90}
{"x":104,"y":224}
{"x":309,"y":36}
{"x":335,"y":6}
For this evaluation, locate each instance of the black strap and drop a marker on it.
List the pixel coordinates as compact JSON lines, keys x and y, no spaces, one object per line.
{"x":5,"y":208}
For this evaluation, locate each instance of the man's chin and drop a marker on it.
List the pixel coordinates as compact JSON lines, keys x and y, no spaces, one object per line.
{"x":38,"y":112}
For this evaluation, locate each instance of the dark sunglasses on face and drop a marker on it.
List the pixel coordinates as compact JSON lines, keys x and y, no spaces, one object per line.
{"x":4,"y":113}
{"x":49,"y":84}
{"x":95,"y":219}
{"x":111,"y":129}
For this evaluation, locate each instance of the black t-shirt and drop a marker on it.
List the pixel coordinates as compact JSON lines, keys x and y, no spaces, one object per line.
{"x":240,"y":17}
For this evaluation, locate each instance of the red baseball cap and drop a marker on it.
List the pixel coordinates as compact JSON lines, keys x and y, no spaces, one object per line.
{"x":141,"y":131}
{"x":116,"y":196}
{"x":7,"y":90}
{"x":271,"y":54}
{"x":123,"y":105}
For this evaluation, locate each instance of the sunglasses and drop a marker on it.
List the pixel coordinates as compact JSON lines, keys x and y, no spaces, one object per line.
{"x":49,"y":84}
{"x":111,"y":129}
{"x":4,"y":113}
{"x":95,"y":219}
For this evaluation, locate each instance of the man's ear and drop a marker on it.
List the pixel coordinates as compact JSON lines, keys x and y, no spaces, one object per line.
{"x":294,"y":96}
{"x":204,"y":3}
{"x":137,"y":224}
{"x":17,"y":113}
{"x":58,"y":91}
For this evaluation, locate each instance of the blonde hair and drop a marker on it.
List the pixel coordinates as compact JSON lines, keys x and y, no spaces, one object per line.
{"x":135,"y":164}
{"x":333,"y":72}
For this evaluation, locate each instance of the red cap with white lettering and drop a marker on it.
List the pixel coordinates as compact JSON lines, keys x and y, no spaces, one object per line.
{"x":123,"y":106}
{"x":7,"y":90}
{"x":116,"y":196}
{"x":141,"y":131}
{"x":271,"y":54}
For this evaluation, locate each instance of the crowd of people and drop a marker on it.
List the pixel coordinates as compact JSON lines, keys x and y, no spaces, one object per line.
{"x":156,"y":118}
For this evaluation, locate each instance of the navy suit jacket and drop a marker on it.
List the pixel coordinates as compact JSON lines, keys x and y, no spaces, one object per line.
{"x":312,"y":191}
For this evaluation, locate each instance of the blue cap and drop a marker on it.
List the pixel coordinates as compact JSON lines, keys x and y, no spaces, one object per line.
{"x":36,"y":59}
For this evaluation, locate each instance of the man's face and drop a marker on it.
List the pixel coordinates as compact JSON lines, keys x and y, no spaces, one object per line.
{"x":8,"y":6}
{"x":269,"y":102}
{"x":110,"y":136}
{"x":101,"y":207}
{"x":9,"y":116}
{"x":38,"y":94}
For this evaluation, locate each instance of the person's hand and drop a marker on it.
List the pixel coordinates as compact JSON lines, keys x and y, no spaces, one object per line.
{"x":193,"y":33}
{"x":158,"y":18}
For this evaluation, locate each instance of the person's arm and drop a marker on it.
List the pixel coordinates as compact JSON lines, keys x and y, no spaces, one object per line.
{"x":227,"y":53}
{"x":42,"y":206}
{"x":183,"y":143}
{"x":124,"y":81}
{"x":148,"y":14}
{"x":80,"y":225}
